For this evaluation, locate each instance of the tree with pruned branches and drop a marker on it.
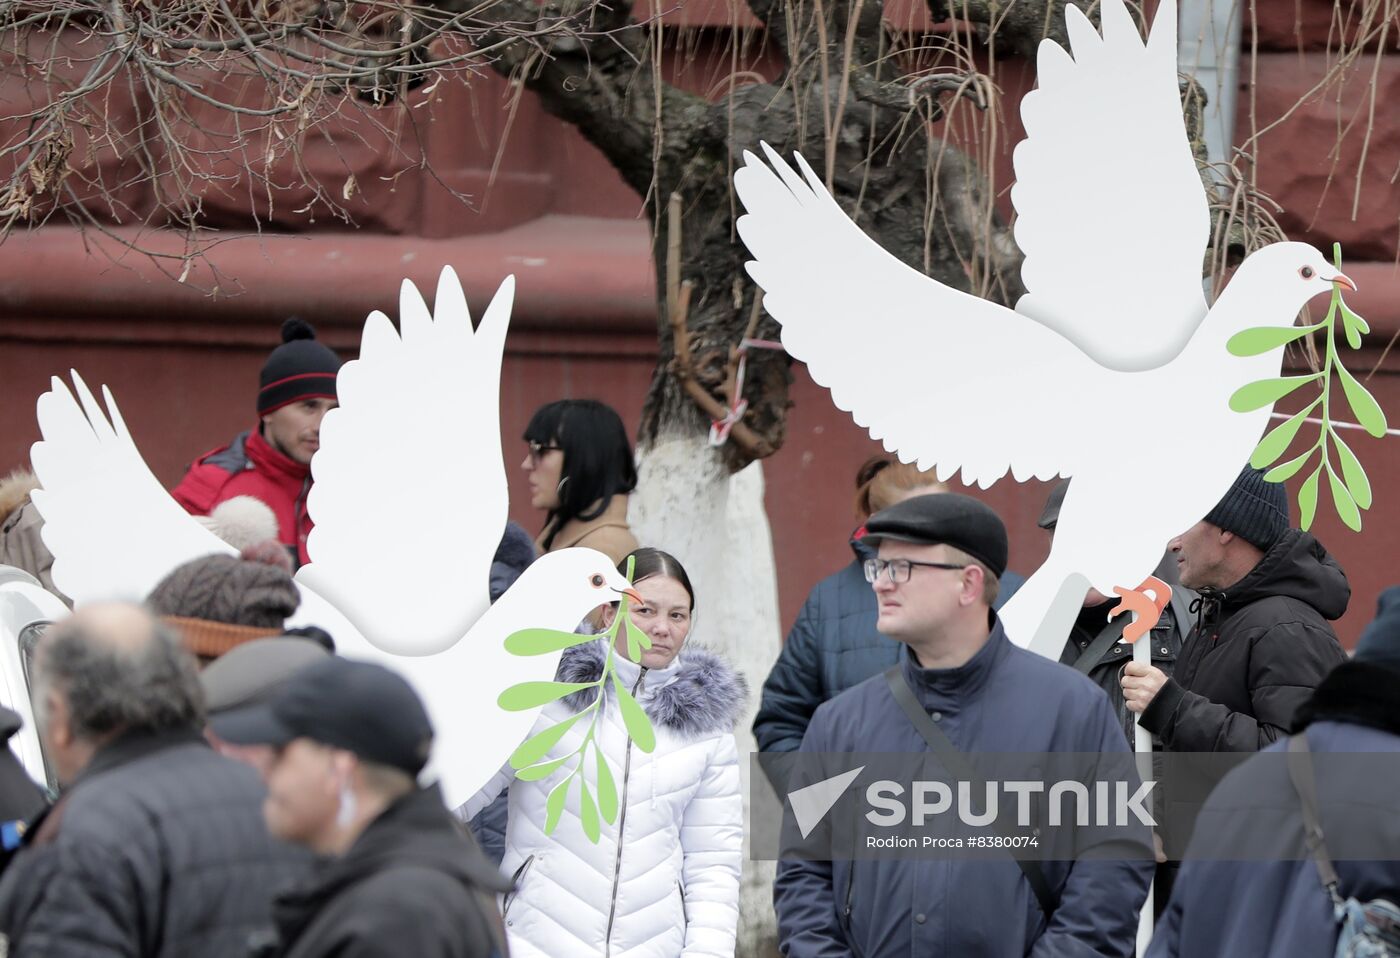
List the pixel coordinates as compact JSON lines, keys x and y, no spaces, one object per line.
{"x":902,"y":119}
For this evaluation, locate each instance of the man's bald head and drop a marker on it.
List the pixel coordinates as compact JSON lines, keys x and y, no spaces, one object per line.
{"x":115,"y":668}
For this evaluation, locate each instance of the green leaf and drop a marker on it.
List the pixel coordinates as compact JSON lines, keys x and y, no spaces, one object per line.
{"x":1363,"y":404}
{"x":1352,"y":473}
{"x":1351,"y":318}
{"x":637,"y":640}
{"x":537,"y":746}
{"x":1265,"y":392}
{"x":588,"y":813}
{"x":1289,"y":468}
{"x":533,"y":773}
{"x":1307,"y":500}
{"x":1353,"y":334}
{"x":543,"y":641}
{"x":529,"y":695}
{"x":638,"y":725}
{"x":1261,"y":339}
{"x":554,"y":804}
{"x":1346,"y":508}
{"x":607,"y":788}
{"x":1274,"y":443}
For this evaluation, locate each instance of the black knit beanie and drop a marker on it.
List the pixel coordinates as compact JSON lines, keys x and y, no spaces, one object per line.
{"x":1253,"y":509}
{"x":301,"y":368}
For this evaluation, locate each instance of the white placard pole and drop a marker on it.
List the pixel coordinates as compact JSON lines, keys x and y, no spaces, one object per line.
{"x":1142,"y":744}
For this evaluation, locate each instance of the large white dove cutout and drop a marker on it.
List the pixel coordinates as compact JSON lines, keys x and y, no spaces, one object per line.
{"x":409,"y":505}
{"x":1111,"y":348}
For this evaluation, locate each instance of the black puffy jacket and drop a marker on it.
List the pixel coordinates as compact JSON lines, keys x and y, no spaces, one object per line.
{"x":411,"y":884}
{"x":1257,"y":651}
{"x":158,"y":849}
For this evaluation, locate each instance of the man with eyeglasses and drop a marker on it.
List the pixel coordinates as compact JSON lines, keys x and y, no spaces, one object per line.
{"x":935,"y":578}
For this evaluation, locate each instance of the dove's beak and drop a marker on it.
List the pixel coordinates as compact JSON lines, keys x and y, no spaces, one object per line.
{"x":633,"y":595}
{"x":1342,"y":279}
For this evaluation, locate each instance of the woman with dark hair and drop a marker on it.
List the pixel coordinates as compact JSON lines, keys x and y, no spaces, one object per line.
{"x":662,"y":879}
{"x":581,"y":470}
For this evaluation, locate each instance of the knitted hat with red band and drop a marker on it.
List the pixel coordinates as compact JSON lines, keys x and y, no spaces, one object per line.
{"x":301,"y":368}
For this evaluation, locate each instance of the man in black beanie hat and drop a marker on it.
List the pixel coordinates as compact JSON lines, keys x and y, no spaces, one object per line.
{"x":1262,"y":640}
{"x":1261,"y":643}
{"x":273,"y":462}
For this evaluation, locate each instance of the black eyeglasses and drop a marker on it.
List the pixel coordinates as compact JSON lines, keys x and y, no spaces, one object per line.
{"x":899,"y":570}
{"x":538,"y":450}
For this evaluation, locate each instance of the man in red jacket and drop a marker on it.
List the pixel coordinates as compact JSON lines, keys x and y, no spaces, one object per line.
{"x":273,"y":462}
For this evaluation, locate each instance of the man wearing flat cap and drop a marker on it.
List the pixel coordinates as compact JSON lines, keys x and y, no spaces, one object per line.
{"x":399,"y":877}
{"x":935,"y":577}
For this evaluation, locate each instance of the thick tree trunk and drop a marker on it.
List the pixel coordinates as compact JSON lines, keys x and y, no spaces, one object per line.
{"x":715,"y":523}
{"x":867,"y":132}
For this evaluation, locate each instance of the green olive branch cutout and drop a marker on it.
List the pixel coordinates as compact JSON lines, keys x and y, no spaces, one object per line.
{"x":1351,"y":490}
{"x":529,"y":760}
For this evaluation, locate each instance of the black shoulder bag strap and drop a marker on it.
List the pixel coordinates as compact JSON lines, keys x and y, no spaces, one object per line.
{"x":1108,"y":636}
{"x":1300,"y":770}
{"x":957,"y":763}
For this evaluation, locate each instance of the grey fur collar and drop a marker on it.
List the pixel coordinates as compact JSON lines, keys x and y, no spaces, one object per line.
{"x":706,"y":696}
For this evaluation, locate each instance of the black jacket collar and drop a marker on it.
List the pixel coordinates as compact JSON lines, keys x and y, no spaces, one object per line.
{"x":129,"y":747}
{"x":1361,"y":693}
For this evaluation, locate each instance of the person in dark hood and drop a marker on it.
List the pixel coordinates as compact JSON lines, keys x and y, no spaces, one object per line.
{"x":1230,"y":899}
{"x":398,"y":876}
{"x":1262,"y":640}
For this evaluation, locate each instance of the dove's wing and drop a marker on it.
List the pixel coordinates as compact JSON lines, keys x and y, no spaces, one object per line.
{"x":112,"y":528}
{"x":410,"y":496}
{"x":939,"y":376}
{"x":1111,"y":213}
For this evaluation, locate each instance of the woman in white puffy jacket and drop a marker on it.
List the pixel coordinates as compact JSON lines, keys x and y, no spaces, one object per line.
{"x":663,"y":879}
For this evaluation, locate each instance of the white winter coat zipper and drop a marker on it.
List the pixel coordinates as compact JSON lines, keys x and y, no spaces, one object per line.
{"x":621,"y":826}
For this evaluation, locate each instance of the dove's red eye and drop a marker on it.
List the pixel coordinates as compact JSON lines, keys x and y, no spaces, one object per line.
{"x":596,"y":581}
{"x":1306,"y":272}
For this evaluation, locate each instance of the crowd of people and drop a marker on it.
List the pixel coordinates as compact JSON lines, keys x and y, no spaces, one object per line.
{"x":220,"y":784}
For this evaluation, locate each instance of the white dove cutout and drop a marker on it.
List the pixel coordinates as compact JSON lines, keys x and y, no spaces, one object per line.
{"x":402,"y":581}
{"x":1112,"y":344}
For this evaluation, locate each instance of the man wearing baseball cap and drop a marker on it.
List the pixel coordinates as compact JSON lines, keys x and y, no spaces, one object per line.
{"x":399,"y":877}
{"x":935,"y":578}
{"x":272,"y":463}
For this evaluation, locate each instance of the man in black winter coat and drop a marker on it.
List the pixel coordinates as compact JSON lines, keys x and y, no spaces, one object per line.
{"x":1263,"y":639}
{"x":1260,"y":645}
{"x":399,"y":876}
{"x":156,"y":846}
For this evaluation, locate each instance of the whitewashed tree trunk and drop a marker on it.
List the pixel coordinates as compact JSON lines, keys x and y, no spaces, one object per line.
{"x":687,"y":504}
